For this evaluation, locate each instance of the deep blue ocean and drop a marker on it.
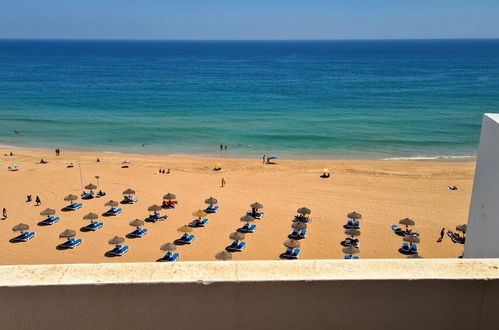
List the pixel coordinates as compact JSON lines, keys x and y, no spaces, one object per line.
{"x":294,"y":99}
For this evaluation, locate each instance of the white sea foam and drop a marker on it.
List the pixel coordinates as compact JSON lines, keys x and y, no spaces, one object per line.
{"x":444,"y":157}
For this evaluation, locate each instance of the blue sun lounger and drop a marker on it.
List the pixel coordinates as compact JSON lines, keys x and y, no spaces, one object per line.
{"x":303,"y":233}
{"x":186,"y":239}
{"x":156,"y":217}
{"x":247,"y":228}
{"x":406,"y":247}
{"x":89,"y":195}
{"x":414,"y":248}
{"x":113,"y":211}
{"x":50,"y":221}
{"x":350,"y":224}
{"x":396,"y":229}
{"x":212,"y":209}
{"x":257,"y":215}
{"x":197,"y":223}
{"x":73,"y":207}
{"x":24,"y":237}
{"x":294,"y":234}
{"x":169,"y":257}
{"x":94,"y":226}
{"x":72,"y":243}
{"x":119,"y":250}
{"x":348,"y":257}
{"x":139,"y":232}
{"x":237,"y":246}
{"x":290,"y":254}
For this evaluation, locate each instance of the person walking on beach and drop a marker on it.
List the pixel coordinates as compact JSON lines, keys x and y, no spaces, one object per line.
{"x":442,"y":232}
{"x":38,"y":201}
{"x":263,"y":159}
{"x":4,"y":213}
{"x":223,"y":182}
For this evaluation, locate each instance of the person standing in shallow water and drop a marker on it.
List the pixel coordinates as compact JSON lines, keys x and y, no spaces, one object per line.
{"x":221,"y":147}
{"x":225,"y":147}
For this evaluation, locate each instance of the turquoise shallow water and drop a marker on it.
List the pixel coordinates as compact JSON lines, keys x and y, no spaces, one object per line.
{"x":308,"y":99}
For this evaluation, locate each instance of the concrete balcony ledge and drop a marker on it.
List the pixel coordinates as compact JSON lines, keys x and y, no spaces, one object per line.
{"x":249,"y":271}
{"x":247,"y":295}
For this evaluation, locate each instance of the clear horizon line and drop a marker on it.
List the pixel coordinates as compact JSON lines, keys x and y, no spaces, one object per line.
{"x":253,"y":40}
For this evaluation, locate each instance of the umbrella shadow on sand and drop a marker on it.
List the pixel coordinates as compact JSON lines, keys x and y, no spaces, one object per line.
{"x":178,"y":242}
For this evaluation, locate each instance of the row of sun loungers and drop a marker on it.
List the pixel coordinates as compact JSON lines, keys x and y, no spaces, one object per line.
{"x":348,"y":257}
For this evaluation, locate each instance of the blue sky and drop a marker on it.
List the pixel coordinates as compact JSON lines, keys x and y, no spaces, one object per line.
{"x":251,"y":19}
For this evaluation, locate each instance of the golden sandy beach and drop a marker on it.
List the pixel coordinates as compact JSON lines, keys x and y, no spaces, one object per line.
{"x":382,"y":191}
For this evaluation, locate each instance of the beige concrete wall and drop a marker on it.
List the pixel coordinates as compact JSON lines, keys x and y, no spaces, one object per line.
{"x":460,"y":295}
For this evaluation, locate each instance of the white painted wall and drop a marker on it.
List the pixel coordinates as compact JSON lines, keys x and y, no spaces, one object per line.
{"x":482,"y":239}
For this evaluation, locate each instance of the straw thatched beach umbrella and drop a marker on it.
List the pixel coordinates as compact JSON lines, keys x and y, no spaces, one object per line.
{"x":237,"y":236}
{"x":129,"y":192}
{"x":211,"y":201}
{"x":199,"y":213}
{"x":299,"y":225}
{"x":411,"y":239}
{"x":304,"y":211}
{"x":116,"y":240}
{"x":70,"y":198}
{"x":462,"y":228}
{"x":91,"y":216}
{"x":256,"y":206}
{"x":352,"y":232}
{"x":350,"y":250}
{"x":354,"y":215}
{"x":223,"y":255}
{"x":20,"y":227}
{"x":169,"y":196}
{"x":407,"y":222}
{"x":90,"y":187}
{"x":292,"y":244}
{"x":247,"y":218}
{"x":168,"y":247}
{"x":112,"y":203}
{"x":67,"y":233}
{"x":48,"y":212}
{"x":185,"y":229}
{"x":154,"y":208}
{"x":136,"y":223}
